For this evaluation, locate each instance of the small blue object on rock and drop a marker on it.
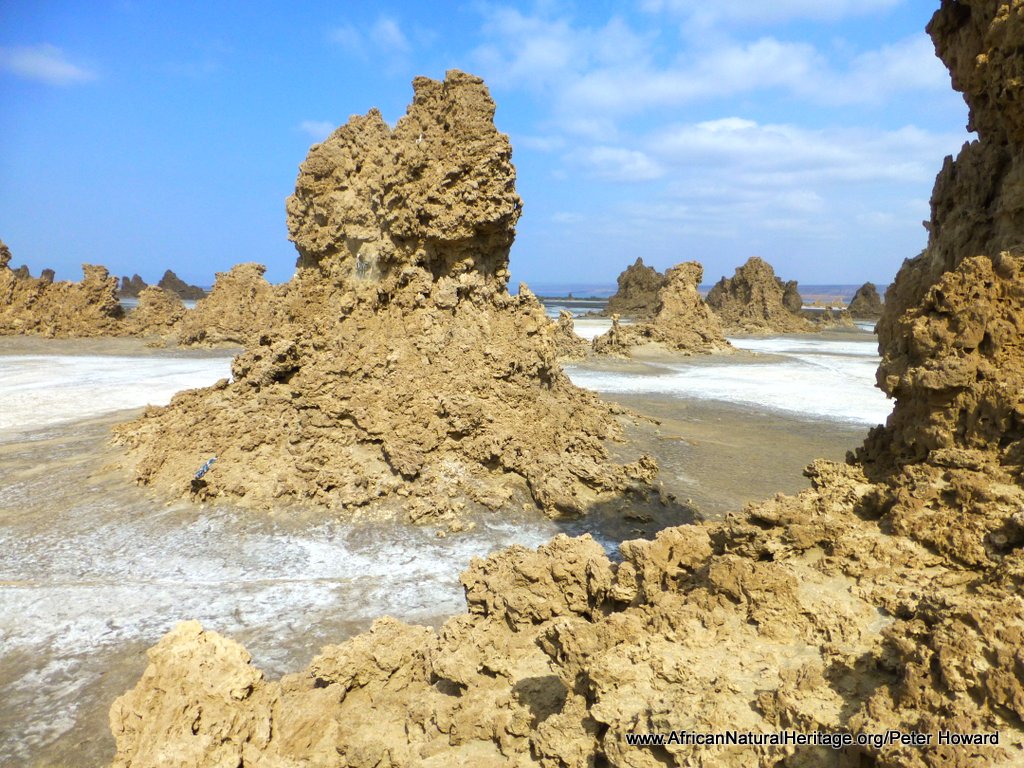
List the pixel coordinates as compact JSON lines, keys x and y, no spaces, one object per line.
{"x":205,"y":468}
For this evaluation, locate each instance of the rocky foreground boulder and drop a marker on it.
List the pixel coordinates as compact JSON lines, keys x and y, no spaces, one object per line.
{"x":754,"y":300}
{"x":399,"y":373}
{"x":887,"y":596}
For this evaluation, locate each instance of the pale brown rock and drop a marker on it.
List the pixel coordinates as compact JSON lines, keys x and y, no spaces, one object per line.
{"x":754,"y":300}
{"x":158,"y":313}
{"x":240,"y":308}
{"x":682,"y":321}
{"x":866,"y":304}
{"x":568,"y":345}
{"x":398,"y":372}
{"x":887,"y":596}
{"x":637,"y":294}
{"x":41,"y":306}
{"x":834,"y":318}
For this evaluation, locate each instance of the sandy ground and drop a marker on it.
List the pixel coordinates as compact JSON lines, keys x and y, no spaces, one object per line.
{"x":62,"y":504}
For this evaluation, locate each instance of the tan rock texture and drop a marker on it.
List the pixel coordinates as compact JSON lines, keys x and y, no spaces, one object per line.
{"x":866,"y":304}
{"x":887,"y":596}
{"x":158,"y":313}
{"x":41,"y":306}
{"x":754,"y":300}
{"x":242,"y":307}
{"x":401,"y":373}
{"x":833,"y":318}
{"x":568,"y":346}
{"x":637,"y":294}
{"x":682,"y":321}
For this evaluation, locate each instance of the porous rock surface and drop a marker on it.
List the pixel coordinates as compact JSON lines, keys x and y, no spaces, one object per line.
{"x":171,"y":282}
{"x":568,"y":345}
{"x":38,"y":305}
{"x":866,"y":303}
{"x":241,"y":308}
{"x":637,"y":294}
{"x":754,"y":300}
{"x":399,"y":371}
{"x":158,"y":313}
{"x":887,"y":596}
{"x":682,"y":321}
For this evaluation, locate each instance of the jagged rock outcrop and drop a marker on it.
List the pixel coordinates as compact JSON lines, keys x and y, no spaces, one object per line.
{"x":41,"y":306}
{"x":791,"y":298}
{"x":682,"y":321}
{"x":158,"y":313}
{"x":866,"y":304}
{"x":568,"y":346}
{"x":171,"y":282}
{"x":833,"y":318}
{"x":131,"y":287}
{"x":241,"y":308}
{"x":637,"y":294}
{"x":754,"y":300}
{"x":887,"y":596}
{"x":400,"y":373}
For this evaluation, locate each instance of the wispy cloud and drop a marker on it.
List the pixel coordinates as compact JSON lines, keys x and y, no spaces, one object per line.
{"x":43,"y":63}
{"x":384,"y":36}
{"x":388,"y":36}
{"x":318,"y":129}
{"x":616,"y":164}
{"x":707,"y":14}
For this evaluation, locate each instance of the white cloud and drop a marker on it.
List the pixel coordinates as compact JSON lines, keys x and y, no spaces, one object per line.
{"x":734,"y":178}
{"x":388,"y":36}
{"x":44,"y":63}
{"x":548,"y":143}
{"x":349,"y":38}
{"x":318,"y":129}
{"x":617,"y":164}
{"x":755,"y":12}
{"x":383,"y":36}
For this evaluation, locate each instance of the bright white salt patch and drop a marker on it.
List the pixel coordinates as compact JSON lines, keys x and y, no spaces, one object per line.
{"x":41,"y":390}
{"x":808,"y":377}
{"x":91,"y":566}
{"x":592,"y":327}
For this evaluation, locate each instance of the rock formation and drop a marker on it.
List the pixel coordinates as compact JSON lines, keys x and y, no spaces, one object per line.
{"x":866,"y":303}
{"x":158,"y":313}
{"x":754,"y":300}
{"x":568,"y":346}
{"x":171,"y":282}
{"x":791,"y":298}
{"x":887,"y":596}
{"x":239,"y":310}
{"x":41,"y":306}
{"x":637,"y":295}
{"x":834,"y":318}
{"x":131,"y":287}
{"x":400,"y":372}
{"x":682,"y":320}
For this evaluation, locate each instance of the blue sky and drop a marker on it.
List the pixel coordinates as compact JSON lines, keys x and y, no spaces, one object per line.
{"x":143,"y":135}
